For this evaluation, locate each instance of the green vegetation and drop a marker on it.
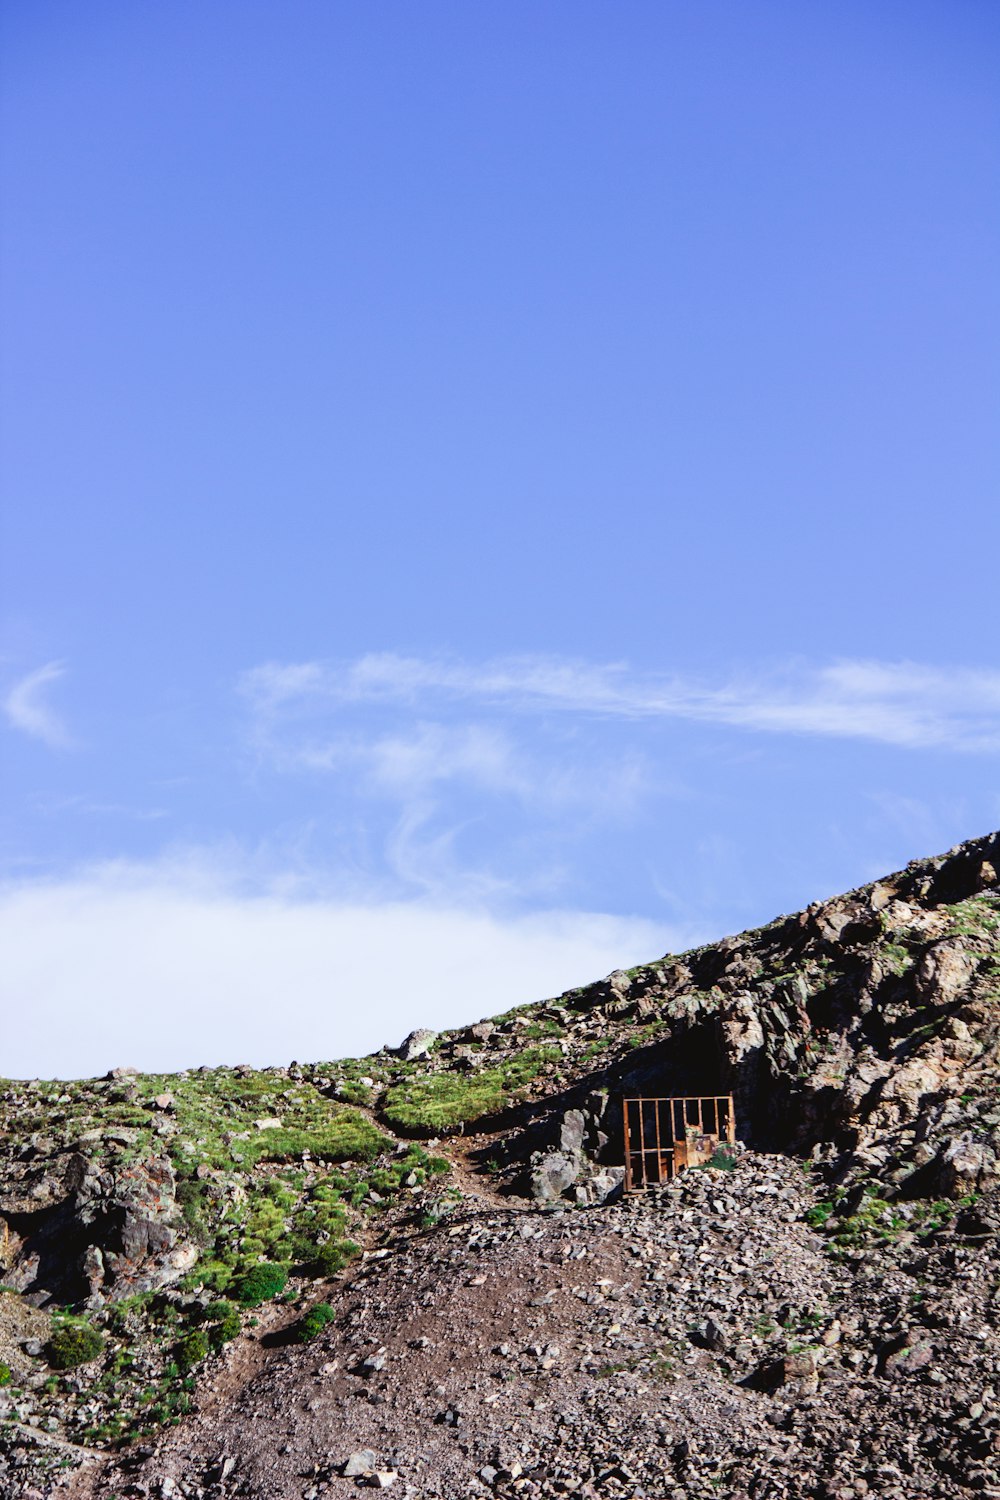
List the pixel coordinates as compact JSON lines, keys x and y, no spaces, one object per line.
{"x":333,"y":1256}
{"x":73,"y":1342}
{"x":444,"y":1101}
{"x":818,"y":1215}
{"x":723,"y":1159}
{"x":6,"y":1374}
{"x":313,"y":1322}
{"x":979,"y":916}
{"x":259,"y":1284}
{"x":441,"y":1102}
{"x":535,"y":1030}
{"x":594,"y":1049}
{"x":223,"y":1323}
{"x":897,"y":958}
{"x":874,"y":1219}
{"x":192,"y":1349}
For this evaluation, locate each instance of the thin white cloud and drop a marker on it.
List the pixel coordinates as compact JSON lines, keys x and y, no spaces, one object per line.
{"x":171,"y":965}
{"x":905,"y":704}
{"x":405,"y":763}
{"x":27,"y":709}
{"x":420,"y":759}
{"x":88,"y":807}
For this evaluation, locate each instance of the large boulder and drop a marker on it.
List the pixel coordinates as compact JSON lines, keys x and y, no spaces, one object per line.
{"x":417,"y":1044}
{"x":967,"y":1165}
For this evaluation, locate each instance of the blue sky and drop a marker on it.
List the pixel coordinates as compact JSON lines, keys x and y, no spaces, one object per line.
{"x":490,"y":493}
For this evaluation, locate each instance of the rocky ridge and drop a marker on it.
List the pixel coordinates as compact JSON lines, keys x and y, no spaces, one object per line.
{"x":822,"y":1332}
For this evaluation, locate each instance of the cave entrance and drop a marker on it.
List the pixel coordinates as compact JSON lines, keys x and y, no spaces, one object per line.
{"x":664,"y":1136}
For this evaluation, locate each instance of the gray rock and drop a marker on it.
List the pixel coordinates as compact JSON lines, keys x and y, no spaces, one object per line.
{"x":966,"y":1165}
{"x":571,"y":1132}
{"x":417,"y":1044}
{"x":364,"y":1461}
{"x":553,"y":1175}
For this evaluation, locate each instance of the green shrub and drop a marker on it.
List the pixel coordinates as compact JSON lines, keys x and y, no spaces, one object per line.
{"x":6,"y":1374}
{"x":333,"y":1256}
{"x":225,"y":1330}
{"x":212,"y":1273}
{"x":214,"y":1312}
{"x":259,"y":1283}
{"x":72,"y":1344}
{"x":818,"y":1214}
{"x":313,"y":1322}
{"x":191,"y":1350}
{"x":196,"y":1207}
{"x":223,"y":1323}
{"x":723,"y":1159}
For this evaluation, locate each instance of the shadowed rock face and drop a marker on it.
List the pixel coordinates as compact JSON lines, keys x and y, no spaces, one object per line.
{"x":97,"y":1234}
{"x":862,"y":1032}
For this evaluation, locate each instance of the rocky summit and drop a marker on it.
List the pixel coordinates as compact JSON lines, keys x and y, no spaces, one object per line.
{"x":418,"y":1271}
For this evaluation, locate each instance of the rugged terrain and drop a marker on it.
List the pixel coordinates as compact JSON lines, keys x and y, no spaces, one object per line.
{"x":815,"y":1315}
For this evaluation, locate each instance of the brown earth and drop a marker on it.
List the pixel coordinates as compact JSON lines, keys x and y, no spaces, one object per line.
{"x":698,"y":1340}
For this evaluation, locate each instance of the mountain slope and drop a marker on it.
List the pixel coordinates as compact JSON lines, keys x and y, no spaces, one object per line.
{"x":818,"y":1318}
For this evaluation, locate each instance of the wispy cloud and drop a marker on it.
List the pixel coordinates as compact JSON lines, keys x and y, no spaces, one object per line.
{"x":419,"y":758}
{"x":414,"y":759}
{"x":27,"y":708}
{"x":903,"y":703}
{"x":88,"y":807}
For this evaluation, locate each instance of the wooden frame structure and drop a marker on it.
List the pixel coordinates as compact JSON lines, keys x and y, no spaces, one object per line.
{"x":663,"y":1136}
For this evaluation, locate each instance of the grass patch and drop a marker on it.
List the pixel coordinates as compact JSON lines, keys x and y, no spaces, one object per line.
{"x":441,"y":1102}
{"x":818,"y":1215}
{"x":444,"y":1101}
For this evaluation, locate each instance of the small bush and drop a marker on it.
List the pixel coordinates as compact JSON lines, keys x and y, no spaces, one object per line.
{"x":722,"y":1159}
{"x":212,"y":1273}
{"x":225,"y":1330}
{"x":259,"y":1284}
{"x":6,"y":1374}
{"x":223,"y":1323}
{"x":333,"y":1256}
{"x":313,"y":1322}
{"x":191,"y":1350}
{"x":818,"y":1214}
{"x":74,"y":1344}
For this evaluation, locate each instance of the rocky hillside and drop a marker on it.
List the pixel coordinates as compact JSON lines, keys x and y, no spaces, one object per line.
{"x":416,"y":1270}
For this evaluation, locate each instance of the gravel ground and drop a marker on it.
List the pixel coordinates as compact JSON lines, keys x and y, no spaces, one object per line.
{"x":699,"y":1340}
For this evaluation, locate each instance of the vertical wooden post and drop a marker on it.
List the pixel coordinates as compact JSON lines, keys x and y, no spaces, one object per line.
{"x":628,"y":1149}
{"x":659,"y":1153}
{"x":642,"y":1145}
